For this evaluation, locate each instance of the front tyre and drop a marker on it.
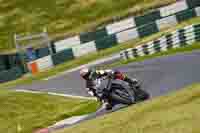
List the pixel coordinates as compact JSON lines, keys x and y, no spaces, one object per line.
{"x":123,"y":95}
{"x":141,"y":95}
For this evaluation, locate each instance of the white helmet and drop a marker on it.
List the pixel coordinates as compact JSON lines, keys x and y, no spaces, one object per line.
{"x":84,"y":72}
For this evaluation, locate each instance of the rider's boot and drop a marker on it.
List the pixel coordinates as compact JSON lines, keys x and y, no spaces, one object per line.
{"x":106,"y":104}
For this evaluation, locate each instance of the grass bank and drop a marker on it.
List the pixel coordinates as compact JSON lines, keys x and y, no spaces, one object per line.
{"x":174,"y":113}
{"x":28,"y":112}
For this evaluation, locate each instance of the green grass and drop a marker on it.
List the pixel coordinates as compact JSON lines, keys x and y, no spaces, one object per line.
{"x":174,"y":113}
{"x":35,"y":111}
{"x":94,"y":56}
{"x":64,"y":17}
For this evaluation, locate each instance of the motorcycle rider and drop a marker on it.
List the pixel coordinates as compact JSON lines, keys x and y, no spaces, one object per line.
{"x":90,"y":75}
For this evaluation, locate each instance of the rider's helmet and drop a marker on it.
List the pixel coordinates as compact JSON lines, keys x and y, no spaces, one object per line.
{"x":85,"y":73}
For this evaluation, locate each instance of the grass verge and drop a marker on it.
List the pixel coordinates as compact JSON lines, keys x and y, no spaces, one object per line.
{"x":174,"y":113}
{"x":34,"y":111}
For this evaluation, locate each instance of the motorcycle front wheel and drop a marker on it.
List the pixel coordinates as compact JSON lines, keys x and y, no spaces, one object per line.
{"x":123,"y":95}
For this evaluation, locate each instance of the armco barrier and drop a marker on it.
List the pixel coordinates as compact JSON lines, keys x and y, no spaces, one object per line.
{"x":193,"y":3}
{"x":84,"y":49}
{"x":79,"y":50}
{"x":9,"y":61}
{"x":124,"y":30}
{"x":2,"y":64}
{"x":150,"y":17}
{"x":63,"y":56}
{"x":42,"y":52}
{"x":176,"y":39}
{"x":40,"y":64}
{"x":120,"y":26}
{"x":185,"y":15}
{"x":166,"y":22}
{"x":66,"y":44}
{"x":173,"y":8}
{"x":142,"y":26}
{"x":148,"y":29}
{"x":90,"y":36}
{"x":106,"y":42}
{"x":117,"y":34}
{"x":11,"y":74}
{"x":163,"y":17}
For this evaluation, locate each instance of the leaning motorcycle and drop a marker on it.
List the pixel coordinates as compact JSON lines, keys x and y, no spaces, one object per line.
{"x":120,"y":92}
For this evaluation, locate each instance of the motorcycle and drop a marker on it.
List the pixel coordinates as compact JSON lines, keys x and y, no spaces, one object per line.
{"x":120,"y":92}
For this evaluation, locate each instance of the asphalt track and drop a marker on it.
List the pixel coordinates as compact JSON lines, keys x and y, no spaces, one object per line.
{"x":159,"y":76}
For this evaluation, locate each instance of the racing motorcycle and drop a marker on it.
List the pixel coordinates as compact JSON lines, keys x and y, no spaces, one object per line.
{"x":119,"y":91}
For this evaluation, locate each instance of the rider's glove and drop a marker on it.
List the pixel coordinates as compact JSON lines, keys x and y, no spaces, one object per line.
{"x":90,"y":92}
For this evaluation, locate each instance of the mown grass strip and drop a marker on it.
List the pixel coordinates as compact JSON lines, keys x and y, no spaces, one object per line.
{"x":34,"y":111}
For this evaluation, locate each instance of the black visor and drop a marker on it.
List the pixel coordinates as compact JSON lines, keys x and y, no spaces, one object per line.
{"x":86,"y":76}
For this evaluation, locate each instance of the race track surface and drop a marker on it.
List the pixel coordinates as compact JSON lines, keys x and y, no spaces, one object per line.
{"x":159,"y":76}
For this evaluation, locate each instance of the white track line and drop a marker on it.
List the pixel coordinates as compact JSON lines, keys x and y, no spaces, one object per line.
{"x":56,"y":94}
{"x":70,"y":121}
